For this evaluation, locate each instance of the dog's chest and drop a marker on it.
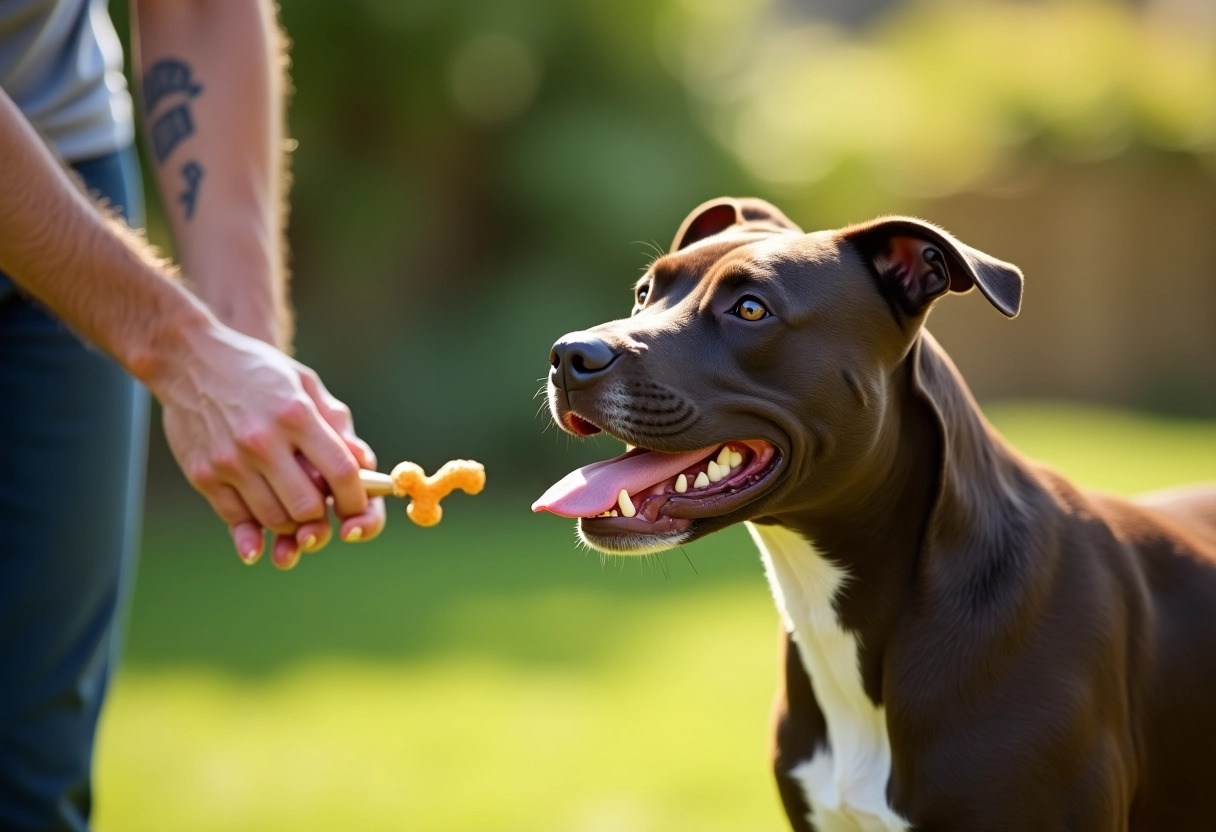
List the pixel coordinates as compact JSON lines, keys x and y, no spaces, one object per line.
{"x":844,"y":781}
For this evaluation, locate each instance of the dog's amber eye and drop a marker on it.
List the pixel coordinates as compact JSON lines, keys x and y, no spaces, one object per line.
{"x":750,"y":309}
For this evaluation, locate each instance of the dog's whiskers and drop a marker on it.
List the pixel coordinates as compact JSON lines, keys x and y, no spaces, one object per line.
{"x":687,"y":558}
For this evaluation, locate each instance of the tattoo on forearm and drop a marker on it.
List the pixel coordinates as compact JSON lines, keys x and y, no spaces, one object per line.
{"x":192,"y":172}
{"x":170,"y":130}
{"x":165,"y":78}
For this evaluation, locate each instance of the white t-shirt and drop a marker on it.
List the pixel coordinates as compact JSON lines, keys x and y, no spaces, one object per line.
{"x":61,"y":63}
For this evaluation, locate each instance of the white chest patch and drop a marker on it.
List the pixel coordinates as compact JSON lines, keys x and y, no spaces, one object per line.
{"x":845,"y":783}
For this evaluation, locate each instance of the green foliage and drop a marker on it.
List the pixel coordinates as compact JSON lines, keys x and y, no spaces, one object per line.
{"x":939,"y":97}
{"x":475,"y":178}
{"x":442,"y":244}
{"x":443,"y":239}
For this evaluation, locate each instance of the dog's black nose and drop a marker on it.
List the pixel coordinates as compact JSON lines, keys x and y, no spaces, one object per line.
{"x":579,"y":360}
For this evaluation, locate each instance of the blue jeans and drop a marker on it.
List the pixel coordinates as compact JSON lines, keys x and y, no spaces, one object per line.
{"x":73,"y":435}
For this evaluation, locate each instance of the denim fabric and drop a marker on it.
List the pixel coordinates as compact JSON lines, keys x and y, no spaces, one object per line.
{"x":73,"y":434}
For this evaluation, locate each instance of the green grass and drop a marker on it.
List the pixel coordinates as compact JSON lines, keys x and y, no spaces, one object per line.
{"x":486,"y":674}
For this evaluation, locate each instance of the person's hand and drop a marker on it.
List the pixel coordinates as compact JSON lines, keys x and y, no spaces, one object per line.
{"x":257,"y":434}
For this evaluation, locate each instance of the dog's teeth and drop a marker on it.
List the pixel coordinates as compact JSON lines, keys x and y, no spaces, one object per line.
{"x":736,"y":459}
{"x":716,"y":473}
{"x":701,"y":481}
{"x":681,"y":484}
{"x":614,"y":513}
{"x":629,"y":447}
{"x":724,"y":457}
{"x":625,"y":503}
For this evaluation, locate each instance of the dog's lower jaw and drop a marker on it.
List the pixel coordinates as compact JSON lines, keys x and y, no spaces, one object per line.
{"x":634,"y":544}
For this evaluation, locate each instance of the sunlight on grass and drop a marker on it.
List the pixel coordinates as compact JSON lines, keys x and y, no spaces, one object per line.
{"x":485,"y":675}
{"x":1123,"y":452}
{"x":667,"y":733}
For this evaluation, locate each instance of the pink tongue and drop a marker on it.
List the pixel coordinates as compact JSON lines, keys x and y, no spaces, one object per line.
{"x":593,"y":489}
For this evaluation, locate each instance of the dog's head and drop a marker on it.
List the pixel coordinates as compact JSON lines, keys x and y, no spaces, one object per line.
{"x":753,"y":374}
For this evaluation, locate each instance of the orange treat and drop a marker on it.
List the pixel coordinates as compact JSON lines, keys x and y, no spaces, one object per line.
{"x":426,"y":492}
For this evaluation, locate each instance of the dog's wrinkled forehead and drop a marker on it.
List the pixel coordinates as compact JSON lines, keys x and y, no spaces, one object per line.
{"x":742,"y":252}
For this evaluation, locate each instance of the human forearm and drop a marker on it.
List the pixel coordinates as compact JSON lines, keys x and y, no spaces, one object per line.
{"x":213,"y":105}
{"x":89,"y":268}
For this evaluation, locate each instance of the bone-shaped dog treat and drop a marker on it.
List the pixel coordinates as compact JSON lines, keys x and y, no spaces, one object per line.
{"x":409,"y":480}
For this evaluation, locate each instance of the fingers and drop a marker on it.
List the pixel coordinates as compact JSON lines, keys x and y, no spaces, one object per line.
{"x":237,"y":434}
{"x":299,"y":483}
{"x":245,"y":531}
{"x":247,"y":537}
{"x":264,"y":504}
{"x":338,"y":416}
{"x":365,"y":525}
{"x":299,"y":496}
{"x":362,"y":451}
{"x":285,"y":551}
{"x":333,"y":411}
{"x":322,"y":446}
{"x":315,"y":536}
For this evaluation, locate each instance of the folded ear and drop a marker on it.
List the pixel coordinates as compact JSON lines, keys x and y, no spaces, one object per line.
{"x":717,"y":215}
{"x":918,"y":262}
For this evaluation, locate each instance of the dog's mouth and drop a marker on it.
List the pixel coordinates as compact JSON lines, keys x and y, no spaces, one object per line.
{"x":647,"y":500}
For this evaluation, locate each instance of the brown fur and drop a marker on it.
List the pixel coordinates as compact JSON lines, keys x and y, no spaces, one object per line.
{"x":1046,"y":656}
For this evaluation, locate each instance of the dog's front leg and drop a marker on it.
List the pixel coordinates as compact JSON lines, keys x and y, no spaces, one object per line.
{"x":798,"y":729}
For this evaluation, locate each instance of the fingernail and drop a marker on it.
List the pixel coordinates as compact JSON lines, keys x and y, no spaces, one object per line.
{"x":249,"y":556}
{"x":354,"y":535}
{"x":310,"y":543}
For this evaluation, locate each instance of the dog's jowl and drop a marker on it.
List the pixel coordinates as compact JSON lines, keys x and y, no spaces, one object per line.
{"x":970,"y":641}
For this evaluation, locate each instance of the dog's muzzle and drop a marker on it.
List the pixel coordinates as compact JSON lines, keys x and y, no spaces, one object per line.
{"x":580,"y":360}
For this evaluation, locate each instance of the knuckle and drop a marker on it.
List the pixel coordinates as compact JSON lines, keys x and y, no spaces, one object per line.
{"x":202,"y":475}
{"x":344,"y":467}
{"x":307,"y":508}
{"x":270,"y":514}
{"x":278,"y":522}
{"x":254,"y":442}
{"x":340,"y":411}
{"x":226,"y":463}
{"x":295,"y":414}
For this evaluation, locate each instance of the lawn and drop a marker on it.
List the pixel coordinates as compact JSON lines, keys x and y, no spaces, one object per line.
{"x":487,"y":674}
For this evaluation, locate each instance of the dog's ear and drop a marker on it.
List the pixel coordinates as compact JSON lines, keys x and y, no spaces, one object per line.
{"x":717,"y":215}
{"x":918,"y":262}
{"x":706,"y":220}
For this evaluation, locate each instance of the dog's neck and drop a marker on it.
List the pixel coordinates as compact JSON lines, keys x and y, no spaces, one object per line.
{"x":917,"y":499}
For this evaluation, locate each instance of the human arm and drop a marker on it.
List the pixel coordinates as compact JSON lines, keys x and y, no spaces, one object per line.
{"x":211,"y":77}
{"x":234,"y":402}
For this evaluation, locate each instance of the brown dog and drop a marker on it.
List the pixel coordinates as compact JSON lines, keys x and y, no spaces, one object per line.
{"x":970,"y":642}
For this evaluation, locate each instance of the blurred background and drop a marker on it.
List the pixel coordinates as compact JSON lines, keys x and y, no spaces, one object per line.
{"x":475,"y":178}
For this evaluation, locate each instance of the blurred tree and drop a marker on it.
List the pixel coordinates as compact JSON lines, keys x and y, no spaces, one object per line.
{"x":474,"y":178}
